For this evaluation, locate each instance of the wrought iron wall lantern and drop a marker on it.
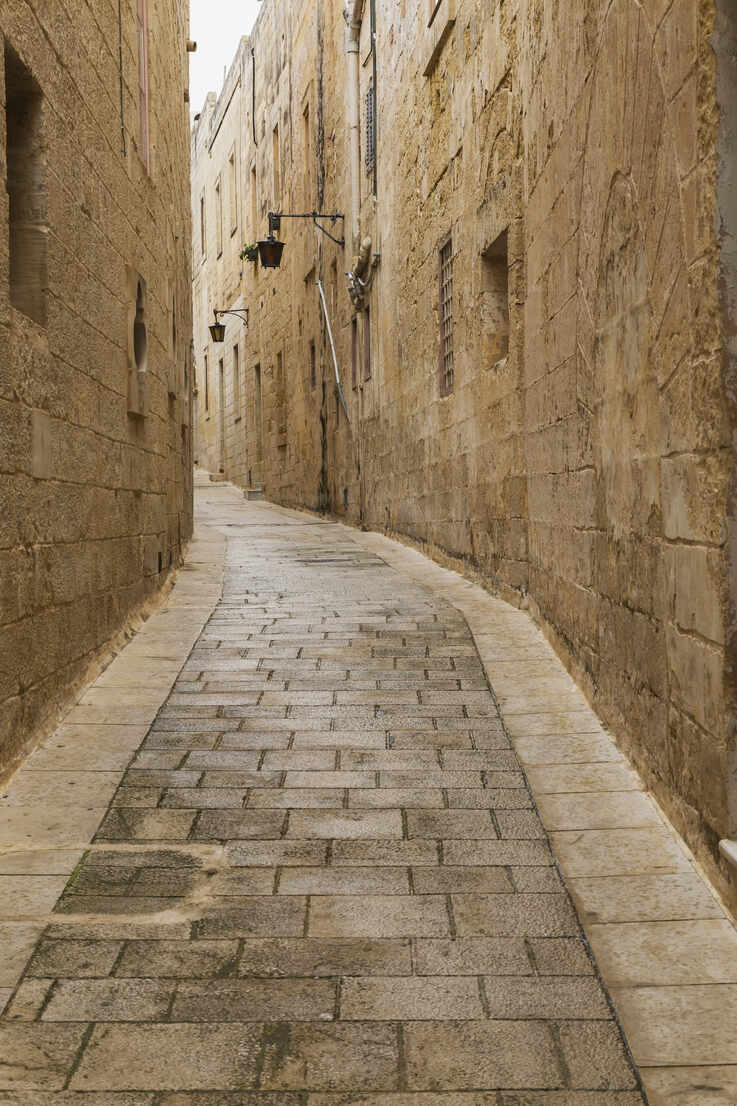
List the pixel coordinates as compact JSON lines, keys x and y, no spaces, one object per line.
{"x":271,"y":249}
{"x":217,"y":330}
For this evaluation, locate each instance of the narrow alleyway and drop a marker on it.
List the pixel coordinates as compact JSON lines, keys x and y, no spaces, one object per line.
{"x":322,"y":872}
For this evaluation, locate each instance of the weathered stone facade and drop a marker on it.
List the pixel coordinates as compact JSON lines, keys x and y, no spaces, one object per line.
{"x":542,"y":388}
{"x":95,"y":337}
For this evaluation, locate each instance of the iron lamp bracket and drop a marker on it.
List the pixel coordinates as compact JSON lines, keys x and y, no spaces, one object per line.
{"x":240,"y":312}
{"x":275,"y":218}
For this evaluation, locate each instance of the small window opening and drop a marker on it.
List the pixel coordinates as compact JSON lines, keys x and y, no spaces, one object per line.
{"x":254,"y":204}
{"x":236,"y":383}
{"x":495,"y":301}
{"x":354,"y":352}
{"x":26,"y":187}
{"x":258,"y":414}
{"x":175,"y":380}
{"x":308,"y":155}
{"x":140,"y":334}
{"x":137,"y":341}
{"x":207,"y":386}
{"x":218,"y":217}
{"x":203,"y":227}
{"x":447,"y":368}
{"x":313,"y":365}
{"x":281,"y":402}
{"x":367,"y":344}
{"x":233,"y":192}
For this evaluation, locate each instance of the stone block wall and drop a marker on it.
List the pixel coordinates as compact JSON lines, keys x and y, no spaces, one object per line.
{"x":628,"y":510}
{"x":95,"y":339}
{"x":575,"y":160}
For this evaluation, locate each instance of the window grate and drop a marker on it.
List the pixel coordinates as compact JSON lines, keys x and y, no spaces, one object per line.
{"x":446,"y":316}
{"x":370,"y":130}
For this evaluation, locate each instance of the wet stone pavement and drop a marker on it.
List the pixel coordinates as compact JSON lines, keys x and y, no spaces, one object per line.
{"x":322,"y":878}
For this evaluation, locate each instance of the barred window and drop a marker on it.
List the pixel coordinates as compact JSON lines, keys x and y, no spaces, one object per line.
{"x":370,"y":130}
{"x":446,"y":317}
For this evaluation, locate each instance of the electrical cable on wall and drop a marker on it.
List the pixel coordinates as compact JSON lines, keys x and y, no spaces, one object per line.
{"x":120,"y":62}
{"x":332,"y":347}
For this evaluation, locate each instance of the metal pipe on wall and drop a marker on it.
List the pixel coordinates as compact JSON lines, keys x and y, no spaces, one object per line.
{"x":374,"y":65}
{"x":353,"y":16}
{"x":332,"y":347}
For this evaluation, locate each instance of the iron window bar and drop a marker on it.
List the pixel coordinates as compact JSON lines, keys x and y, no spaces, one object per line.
{"x":446,"y":317}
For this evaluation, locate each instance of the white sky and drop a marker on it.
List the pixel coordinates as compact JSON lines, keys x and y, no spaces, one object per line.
{"x":216,"y":26}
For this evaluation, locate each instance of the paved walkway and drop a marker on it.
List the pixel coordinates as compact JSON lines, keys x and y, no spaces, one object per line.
{"x":321,"y":874}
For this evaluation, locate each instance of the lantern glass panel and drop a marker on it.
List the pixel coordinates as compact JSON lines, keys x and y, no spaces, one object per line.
{"x":270,"y":252}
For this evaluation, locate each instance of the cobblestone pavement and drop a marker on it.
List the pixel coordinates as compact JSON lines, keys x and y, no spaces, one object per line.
{"x":322,"y":877}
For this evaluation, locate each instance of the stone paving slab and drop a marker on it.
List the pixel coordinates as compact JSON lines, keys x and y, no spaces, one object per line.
{"x":666,"y":947}
{"x":303,"y":866}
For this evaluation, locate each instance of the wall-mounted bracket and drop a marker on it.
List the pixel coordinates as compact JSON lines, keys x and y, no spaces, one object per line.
{"x":275,"y":218}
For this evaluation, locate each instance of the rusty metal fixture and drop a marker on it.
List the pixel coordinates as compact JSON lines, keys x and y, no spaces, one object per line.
{"x":217,"y":330}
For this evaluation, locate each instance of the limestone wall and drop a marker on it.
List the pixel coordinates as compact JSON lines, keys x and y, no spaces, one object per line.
{"x":581,"y":460}
{"x":95,"y":339}
{"x":628,"y":465}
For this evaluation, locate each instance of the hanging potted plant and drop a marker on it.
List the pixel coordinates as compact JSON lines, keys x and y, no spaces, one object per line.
{"x":250,"y":252}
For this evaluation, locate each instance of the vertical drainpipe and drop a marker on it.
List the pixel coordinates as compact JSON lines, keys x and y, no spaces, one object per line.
{"x":354,"y":117}
{"x":724,"y":42}
{"x":353,"y":17}
{"x":376,"y":98}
